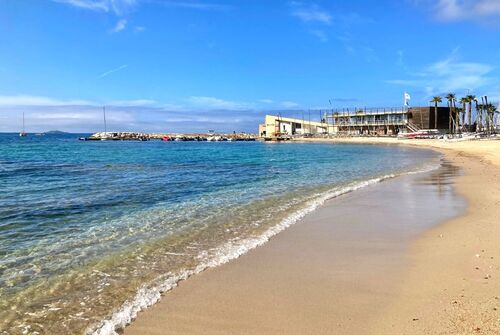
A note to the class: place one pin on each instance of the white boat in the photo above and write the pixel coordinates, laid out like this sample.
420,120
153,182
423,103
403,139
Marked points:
424,133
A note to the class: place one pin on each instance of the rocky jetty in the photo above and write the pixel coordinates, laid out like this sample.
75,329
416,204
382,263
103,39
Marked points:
134,136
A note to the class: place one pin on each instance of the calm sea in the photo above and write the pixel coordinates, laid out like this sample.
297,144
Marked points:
92,232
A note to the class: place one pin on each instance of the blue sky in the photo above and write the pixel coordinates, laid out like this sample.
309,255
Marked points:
192,65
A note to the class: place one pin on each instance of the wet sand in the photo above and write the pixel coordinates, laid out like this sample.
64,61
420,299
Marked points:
452,285
331,273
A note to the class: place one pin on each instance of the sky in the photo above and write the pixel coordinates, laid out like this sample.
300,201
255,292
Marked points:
193,65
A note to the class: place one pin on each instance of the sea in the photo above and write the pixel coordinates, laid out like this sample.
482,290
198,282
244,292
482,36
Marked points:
93,232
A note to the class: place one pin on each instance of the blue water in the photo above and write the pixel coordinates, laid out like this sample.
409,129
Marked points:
84,225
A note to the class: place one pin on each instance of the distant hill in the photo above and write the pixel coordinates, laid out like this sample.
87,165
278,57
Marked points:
56,132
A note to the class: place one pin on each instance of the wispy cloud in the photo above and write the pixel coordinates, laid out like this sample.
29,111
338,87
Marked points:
117,7
132,103
107,73
289,104
323,24
320,34
400,62
345,99
197,5
44,113
31,100
217,103
453,10
310,13
449,75
87,4
194,114
120,25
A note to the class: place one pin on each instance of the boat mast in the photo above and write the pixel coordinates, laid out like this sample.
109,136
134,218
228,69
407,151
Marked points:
104,114
23,123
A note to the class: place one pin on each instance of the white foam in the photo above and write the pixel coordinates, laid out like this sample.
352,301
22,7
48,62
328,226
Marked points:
146,297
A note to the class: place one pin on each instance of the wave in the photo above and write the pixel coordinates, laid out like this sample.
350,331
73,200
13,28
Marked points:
148,296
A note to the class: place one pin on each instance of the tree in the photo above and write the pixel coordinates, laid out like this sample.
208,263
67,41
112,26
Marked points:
451,99
471,98
464,101
479,109
490,112
436,100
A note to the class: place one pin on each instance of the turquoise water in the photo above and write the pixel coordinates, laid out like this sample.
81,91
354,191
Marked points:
91,232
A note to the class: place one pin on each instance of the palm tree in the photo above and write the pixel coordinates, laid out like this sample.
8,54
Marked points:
451,98
490,112
480,109
436,100
459,111
471,98
464,101
478,116
495,122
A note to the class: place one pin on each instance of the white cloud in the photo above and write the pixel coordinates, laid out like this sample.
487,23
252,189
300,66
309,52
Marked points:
452,67
449,75
30,100
122,118
310,13
107,73
139,29
118,7
194,102
138,102
195,5
465,9
216,103
82,115
87,4
289,104
198,113
120,25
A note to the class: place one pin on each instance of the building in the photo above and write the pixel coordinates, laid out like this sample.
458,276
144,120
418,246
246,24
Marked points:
376,122
276,126
425,118
381,121
389,121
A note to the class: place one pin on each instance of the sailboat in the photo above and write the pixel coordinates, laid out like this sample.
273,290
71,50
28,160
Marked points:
105,137
23,133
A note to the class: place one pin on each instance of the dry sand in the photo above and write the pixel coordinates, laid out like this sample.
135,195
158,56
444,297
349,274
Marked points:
348,271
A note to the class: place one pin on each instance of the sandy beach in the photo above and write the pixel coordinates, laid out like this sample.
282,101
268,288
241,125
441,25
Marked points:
414,255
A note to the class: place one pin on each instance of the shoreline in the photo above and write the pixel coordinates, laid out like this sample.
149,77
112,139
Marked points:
130,329
451,286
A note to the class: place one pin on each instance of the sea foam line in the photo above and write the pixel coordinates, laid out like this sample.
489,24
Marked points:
146,297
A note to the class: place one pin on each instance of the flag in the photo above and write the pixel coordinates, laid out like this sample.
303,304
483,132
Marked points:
407,99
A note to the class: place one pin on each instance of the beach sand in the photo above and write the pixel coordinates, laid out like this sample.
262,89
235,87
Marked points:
373,261
452,285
